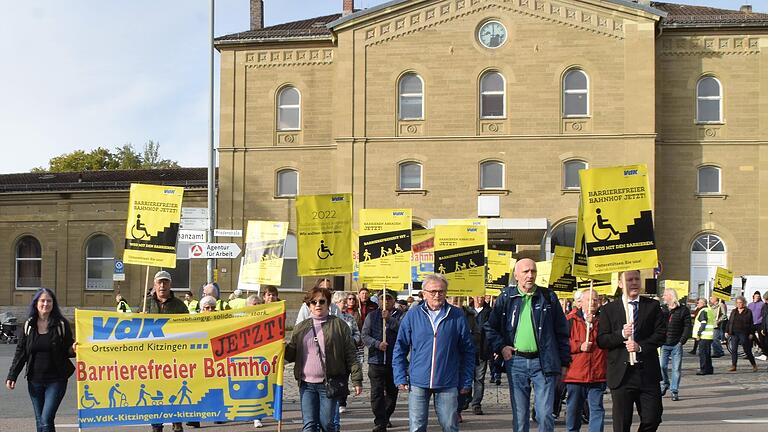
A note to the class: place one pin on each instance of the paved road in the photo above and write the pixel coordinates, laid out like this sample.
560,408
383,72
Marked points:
717,403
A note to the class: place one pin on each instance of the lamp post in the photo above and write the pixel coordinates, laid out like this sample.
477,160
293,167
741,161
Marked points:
211,151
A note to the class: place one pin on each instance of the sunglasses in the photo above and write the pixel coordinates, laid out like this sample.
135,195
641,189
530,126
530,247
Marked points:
320,302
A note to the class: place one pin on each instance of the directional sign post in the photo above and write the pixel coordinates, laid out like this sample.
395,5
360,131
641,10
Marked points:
227,233
118,274
192,236
214,250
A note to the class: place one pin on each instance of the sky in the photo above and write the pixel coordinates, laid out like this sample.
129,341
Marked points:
82,74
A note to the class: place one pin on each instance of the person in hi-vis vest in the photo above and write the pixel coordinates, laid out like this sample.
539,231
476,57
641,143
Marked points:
704,331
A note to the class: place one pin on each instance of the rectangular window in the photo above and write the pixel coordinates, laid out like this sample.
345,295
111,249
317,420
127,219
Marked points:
493,105
99,273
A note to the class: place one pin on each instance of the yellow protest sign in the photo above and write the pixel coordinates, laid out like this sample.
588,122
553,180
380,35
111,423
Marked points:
561,281
263,258
150,368
497,269
543,269
423,256
385,246
492,292
723,284
471,222
460,257
324,232
617,219
154,214
680,287
602,287
580,252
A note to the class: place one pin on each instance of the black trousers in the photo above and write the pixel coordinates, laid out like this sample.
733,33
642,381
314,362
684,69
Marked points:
383,393
636,390
705,356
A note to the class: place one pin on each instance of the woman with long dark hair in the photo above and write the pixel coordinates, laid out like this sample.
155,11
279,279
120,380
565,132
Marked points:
46,345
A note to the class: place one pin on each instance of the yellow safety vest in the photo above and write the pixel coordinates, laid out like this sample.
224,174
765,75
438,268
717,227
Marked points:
238,303
709,328
123,305
192,306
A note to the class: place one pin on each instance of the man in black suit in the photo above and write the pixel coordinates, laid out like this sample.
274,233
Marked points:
633,384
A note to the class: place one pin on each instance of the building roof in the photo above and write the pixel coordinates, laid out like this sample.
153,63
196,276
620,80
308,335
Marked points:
703,16
677,16
190,178
312,28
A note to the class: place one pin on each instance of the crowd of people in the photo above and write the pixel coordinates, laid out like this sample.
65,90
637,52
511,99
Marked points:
439,350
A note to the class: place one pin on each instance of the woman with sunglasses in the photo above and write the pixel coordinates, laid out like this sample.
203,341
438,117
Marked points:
46,346
322,348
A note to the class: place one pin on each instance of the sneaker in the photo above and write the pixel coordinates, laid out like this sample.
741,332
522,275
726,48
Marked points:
194,424
257,423
664,388
342,409
477,410
177,427
675,397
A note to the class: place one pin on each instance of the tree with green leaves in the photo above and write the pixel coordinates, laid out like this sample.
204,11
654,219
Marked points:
125,157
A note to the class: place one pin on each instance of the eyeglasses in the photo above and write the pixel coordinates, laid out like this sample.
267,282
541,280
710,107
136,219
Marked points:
320,302
435,292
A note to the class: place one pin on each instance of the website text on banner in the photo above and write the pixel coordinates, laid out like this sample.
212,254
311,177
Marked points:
460,257
385,246
617,219
219,366
263,258
324,234
154,214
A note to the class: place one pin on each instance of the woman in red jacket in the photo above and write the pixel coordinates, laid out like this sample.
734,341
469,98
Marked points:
585,378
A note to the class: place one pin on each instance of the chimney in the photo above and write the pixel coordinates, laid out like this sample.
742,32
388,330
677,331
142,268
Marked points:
257,14
349,7
746,9
643,2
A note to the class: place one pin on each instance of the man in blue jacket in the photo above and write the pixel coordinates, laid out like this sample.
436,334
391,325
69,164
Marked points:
434,355
527,327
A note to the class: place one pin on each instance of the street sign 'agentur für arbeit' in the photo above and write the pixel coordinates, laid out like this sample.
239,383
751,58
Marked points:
214,250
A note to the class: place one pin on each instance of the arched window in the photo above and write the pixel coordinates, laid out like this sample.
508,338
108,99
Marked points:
563,235
99,263
709,100
708,252
709,180
571,173
411,96
575,93
290,281
409,176
492,95
287,183
492,175
289,109
29,263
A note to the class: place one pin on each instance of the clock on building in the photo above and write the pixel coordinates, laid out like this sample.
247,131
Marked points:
492,34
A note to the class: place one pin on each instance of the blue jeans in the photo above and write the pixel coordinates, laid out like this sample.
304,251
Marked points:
46,398
577,393
717,343
317,411
446,405
675,352
521,373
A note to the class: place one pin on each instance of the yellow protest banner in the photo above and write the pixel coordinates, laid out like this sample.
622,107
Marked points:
543,269
723,288
324,234
497,269
423,256
150,368
262,261
460,257
561,281
617,219
154,214
580,252
385,246
492,292
680,287
602,287
471,222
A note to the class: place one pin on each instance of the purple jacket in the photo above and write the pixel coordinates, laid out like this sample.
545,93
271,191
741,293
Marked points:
757,312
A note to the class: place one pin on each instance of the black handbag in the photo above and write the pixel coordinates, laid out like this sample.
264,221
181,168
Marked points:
335,387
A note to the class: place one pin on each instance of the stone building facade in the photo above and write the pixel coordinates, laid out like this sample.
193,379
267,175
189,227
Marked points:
467,108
